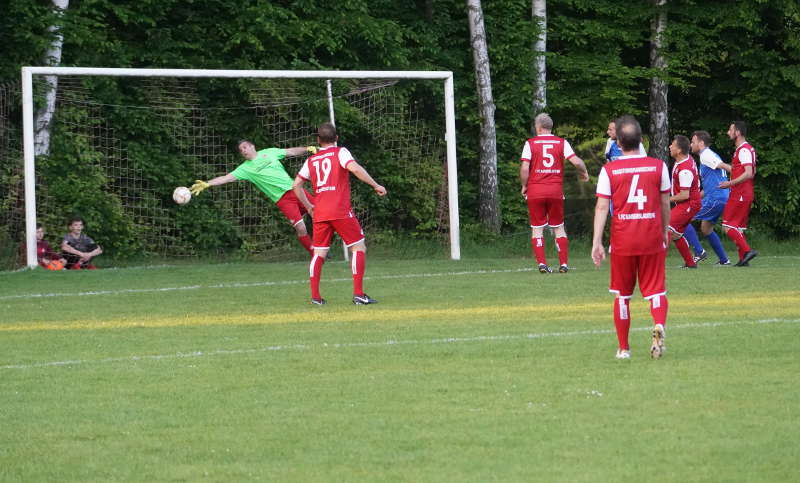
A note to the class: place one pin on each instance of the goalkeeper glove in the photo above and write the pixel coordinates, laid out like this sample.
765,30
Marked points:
198,187
312,149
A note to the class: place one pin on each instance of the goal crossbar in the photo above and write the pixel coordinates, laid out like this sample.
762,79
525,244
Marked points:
28,123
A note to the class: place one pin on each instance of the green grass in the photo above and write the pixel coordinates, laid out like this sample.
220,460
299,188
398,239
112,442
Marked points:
466,371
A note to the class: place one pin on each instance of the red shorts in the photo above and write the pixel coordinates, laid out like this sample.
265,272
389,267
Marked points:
292,208
347,228
546,211
681,215
737,212
648,269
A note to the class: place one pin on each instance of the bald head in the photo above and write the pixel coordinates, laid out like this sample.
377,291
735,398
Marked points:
629,133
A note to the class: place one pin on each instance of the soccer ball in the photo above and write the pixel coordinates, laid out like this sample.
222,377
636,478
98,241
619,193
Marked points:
181,195
55,265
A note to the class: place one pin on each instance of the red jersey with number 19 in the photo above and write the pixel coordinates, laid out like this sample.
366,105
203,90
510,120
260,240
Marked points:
635,184
546,154
330,178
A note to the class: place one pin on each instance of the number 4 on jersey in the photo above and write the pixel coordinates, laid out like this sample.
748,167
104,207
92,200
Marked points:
636,195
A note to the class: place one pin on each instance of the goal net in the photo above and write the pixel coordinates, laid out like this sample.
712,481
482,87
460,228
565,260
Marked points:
121,140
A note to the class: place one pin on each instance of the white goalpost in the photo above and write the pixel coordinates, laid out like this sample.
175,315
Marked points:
28,140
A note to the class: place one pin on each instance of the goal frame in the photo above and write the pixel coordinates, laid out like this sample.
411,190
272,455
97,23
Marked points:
28,122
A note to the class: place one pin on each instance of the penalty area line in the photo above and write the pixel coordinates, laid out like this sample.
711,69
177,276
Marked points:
253,284
387,343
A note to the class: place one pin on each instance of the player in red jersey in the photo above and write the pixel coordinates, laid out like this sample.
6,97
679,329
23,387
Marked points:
639,188
685,194
329,173
737,209
542,176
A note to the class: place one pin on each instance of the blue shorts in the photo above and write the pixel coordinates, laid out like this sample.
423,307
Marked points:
711,210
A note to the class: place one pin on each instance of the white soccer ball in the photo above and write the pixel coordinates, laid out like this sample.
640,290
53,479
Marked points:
181,195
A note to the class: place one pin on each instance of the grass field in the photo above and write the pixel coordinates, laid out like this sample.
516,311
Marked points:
478,370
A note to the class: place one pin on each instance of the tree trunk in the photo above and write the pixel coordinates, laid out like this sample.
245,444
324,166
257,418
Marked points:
659,119
44,116
489,211
539,15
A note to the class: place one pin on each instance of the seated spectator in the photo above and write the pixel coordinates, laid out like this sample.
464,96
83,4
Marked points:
78,248
45,255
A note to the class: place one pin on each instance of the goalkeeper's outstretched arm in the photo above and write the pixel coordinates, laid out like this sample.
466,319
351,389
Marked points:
301,151
200,185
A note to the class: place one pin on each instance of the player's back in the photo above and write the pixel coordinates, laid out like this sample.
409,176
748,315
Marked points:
635,185
546,154
711,175
330,178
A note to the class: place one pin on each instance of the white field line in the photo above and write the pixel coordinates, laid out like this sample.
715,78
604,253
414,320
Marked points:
387,343
252,284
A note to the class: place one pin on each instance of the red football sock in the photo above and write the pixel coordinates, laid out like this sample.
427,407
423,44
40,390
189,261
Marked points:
740,241
315,272
305,240
562,243
622,321
357,263
658,309
538,250
683,248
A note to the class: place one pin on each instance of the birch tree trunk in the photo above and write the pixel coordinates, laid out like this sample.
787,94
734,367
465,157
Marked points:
539,15
44,116
659,119
489,211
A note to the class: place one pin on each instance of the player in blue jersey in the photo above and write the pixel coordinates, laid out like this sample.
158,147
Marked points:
613,150
712,173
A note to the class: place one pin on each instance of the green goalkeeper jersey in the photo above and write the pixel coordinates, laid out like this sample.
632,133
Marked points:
266,172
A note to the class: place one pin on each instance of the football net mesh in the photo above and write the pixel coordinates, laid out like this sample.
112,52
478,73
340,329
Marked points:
119,146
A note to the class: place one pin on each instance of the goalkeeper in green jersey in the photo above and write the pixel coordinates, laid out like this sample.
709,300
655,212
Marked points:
265,170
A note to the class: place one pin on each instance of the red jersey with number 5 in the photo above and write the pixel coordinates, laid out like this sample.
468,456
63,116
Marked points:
635,184
330,178
546,154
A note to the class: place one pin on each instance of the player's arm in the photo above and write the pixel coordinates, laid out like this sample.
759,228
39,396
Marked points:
361,173
665,209
199,185
301,151
524,174
600,216
66,247
583,173
725,166
748,174
297,187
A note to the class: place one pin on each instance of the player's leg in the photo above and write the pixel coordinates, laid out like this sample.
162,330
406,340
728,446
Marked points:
293,210
323,232
679,219
707,227
734,220
652,284
353,236
694,241
555,216
537,211
623,281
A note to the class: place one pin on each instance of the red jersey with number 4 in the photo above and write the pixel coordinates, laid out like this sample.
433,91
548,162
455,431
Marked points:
546,154
635,184
327,171
744,155
684,175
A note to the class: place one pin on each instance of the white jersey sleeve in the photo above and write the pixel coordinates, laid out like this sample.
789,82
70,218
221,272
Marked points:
710,158
526,152
603,184
304,172
745,156
345,157
568,152
685,178
666,184
608,145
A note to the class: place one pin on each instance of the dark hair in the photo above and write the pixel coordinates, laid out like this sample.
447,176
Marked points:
327,132
683,143
244,141
703,136
75,218
740,126
39,225
629,133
